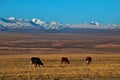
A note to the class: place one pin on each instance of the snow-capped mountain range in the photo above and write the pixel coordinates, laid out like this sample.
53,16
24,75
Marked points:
18,23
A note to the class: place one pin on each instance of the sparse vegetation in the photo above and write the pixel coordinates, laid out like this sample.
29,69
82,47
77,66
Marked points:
30,43
16,49
103,67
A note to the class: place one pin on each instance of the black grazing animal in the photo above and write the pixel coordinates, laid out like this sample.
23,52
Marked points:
88,59
36,61
65,60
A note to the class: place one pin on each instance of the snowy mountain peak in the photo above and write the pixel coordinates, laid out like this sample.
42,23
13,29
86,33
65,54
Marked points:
95,23
54,23
12,18
18,23
38,21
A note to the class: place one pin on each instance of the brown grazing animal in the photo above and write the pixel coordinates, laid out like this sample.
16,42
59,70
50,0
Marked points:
88,59
65,60
36,61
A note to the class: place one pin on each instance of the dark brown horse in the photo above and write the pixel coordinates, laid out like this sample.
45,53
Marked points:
88,59
65,60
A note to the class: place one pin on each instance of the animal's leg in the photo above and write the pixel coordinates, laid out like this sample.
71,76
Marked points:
68,62
35,65
39,65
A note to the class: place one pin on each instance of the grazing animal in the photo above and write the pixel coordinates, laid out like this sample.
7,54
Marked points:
65,60
36,61
88,59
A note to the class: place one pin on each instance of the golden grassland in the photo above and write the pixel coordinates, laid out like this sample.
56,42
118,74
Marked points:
16,49
103,67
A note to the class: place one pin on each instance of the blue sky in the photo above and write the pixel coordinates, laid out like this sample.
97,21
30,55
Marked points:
64,11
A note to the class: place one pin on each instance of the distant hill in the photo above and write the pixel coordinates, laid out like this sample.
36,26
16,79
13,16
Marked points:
36,25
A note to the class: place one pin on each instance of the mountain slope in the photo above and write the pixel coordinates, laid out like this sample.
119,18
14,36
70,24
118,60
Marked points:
13,23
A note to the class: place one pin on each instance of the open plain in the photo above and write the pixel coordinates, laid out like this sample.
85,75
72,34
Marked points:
16,49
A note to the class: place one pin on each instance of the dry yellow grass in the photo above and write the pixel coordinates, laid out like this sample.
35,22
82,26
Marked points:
103,67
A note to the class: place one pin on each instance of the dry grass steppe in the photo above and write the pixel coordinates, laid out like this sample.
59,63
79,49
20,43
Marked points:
103,67
29,43
16,49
